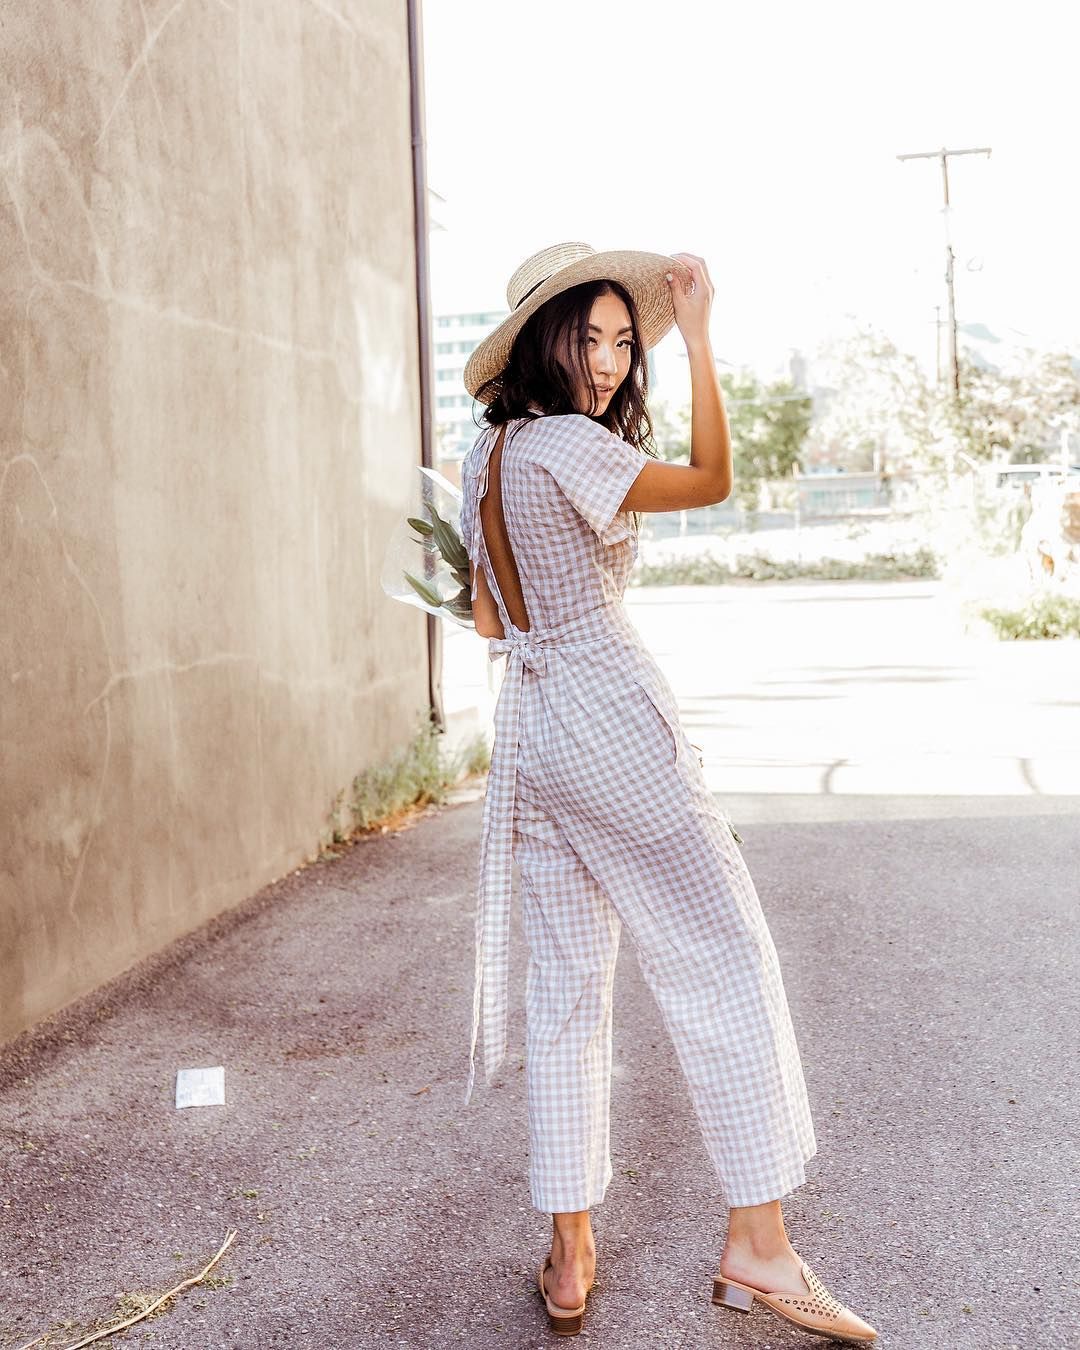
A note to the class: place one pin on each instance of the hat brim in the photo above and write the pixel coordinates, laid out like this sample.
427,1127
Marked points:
643,274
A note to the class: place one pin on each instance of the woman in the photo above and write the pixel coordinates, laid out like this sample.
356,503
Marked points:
594,788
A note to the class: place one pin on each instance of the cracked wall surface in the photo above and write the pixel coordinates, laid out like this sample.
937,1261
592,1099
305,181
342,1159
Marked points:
209,416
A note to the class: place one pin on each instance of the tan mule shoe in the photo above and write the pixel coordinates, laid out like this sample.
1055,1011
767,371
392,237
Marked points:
564,1321
816,1311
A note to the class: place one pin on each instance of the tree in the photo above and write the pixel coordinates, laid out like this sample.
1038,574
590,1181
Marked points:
769,425
876,407
671,431
1016,412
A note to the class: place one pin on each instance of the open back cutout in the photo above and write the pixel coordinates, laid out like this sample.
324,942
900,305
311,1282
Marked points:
497,541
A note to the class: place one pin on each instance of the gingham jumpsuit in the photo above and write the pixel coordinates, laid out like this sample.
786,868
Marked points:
597,794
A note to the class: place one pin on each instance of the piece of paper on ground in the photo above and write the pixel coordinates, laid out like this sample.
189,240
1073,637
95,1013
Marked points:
200,1087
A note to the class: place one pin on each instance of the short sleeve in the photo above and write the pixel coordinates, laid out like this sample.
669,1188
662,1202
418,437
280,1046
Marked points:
465,519
595,468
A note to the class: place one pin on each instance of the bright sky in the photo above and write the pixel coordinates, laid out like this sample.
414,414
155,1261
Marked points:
763,136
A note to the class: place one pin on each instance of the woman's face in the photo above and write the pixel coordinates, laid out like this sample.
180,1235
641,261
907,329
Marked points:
607,352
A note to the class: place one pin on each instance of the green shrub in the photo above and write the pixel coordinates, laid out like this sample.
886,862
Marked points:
706,570
422,772
703,570
1043,616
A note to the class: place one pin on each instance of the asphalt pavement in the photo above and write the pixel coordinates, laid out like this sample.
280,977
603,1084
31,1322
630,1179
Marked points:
928,944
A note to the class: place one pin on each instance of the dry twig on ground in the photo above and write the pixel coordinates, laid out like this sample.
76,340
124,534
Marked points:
130,1321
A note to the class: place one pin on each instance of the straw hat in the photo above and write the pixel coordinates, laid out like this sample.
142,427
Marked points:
558,268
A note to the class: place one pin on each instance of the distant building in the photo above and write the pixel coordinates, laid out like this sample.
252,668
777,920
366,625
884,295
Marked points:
456,336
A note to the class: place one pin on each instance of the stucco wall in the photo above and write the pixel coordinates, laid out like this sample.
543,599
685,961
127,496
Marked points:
209,415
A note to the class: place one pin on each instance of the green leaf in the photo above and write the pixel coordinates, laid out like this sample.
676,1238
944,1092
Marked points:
424,591
448,540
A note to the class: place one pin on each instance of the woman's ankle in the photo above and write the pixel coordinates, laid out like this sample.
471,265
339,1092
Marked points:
572,1227
762,1250
756,1232
575,1248
580,1253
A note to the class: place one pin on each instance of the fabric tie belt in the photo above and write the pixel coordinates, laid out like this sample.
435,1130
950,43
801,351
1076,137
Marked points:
530,648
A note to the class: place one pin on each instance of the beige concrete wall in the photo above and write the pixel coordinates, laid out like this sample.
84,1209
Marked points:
208,420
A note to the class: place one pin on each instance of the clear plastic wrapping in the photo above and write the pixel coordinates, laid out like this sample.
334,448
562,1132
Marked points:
425,563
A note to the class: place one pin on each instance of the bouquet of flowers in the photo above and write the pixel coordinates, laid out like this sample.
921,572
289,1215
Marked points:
426,563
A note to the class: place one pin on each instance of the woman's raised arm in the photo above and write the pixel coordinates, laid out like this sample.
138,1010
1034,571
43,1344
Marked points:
708,478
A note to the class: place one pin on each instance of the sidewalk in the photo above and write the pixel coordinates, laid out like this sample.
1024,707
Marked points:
928,948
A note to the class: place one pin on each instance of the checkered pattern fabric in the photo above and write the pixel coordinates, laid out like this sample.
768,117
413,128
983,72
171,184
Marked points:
598,796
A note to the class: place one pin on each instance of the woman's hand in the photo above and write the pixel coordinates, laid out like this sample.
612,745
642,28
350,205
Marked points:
691,298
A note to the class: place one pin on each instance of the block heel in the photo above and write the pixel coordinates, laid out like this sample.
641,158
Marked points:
563,1321
815,1310
732,1295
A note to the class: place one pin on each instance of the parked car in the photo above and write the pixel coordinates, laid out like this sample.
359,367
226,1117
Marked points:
1018,475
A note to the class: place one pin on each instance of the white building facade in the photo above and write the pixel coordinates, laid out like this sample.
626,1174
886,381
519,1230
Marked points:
456,412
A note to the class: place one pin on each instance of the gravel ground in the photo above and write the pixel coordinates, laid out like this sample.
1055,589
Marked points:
926,947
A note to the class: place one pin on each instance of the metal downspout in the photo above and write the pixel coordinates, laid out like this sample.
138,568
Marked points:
423,315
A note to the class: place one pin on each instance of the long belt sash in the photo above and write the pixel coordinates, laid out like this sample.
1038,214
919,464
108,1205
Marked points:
491,973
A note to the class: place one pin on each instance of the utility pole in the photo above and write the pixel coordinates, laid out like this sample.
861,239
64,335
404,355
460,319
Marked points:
943,155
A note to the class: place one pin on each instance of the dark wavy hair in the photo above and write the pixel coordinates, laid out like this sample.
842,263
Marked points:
535,372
